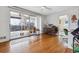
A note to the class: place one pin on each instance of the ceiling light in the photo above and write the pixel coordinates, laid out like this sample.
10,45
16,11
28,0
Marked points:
45,8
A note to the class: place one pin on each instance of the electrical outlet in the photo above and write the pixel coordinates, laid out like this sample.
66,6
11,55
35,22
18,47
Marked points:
3,37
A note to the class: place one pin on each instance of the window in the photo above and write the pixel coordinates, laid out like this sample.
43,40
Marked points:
15,24
33,21
15,21
25,23
22,23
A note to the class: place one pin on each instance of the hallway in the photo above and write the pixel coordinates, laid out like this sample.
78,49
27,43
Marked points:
34,44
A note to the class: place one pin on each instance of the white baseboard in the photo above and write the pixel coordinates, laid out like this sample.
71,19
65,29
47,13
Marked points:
4,40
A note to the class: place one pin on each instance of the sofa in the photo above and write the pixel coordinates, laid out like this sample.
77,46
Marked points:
50,29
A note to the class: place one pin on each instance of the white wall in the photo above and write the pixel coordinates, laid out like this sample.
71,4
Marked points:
4,23
54,18
43,22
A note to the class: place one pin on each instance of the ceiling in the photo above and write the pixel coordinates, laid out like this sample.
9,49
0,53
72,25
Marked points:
44,11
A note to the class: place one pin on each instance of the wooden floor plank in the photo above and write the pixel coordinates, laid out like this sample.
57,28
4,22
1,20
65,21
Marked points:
35,44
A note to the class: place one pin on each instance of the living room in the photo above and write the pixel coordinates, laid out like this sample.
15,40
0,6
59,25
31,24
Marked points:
38,29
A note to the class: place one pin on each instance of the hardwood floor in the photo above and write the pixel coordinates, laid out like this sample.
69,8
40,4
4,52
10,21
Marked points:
34,44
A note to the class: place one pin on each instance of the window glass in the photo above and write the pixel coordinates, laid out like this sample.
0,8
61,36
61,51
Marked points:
15,24
15,21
